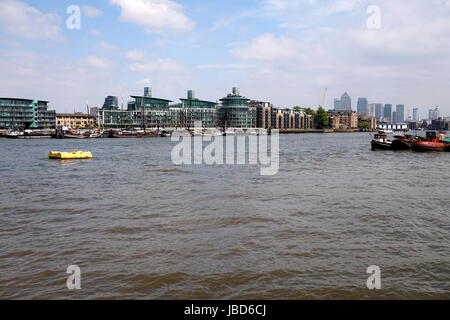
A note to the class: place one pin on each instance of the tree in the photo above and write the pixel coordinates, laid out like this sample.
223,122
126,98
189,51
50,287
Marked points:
321,118
363,125
307,110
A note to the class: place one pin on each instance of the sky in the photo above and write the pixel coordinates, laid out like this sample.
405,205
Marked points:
283,51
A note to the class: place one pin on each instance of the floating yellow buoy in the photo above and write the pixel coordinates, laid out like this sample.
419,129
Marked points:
70,155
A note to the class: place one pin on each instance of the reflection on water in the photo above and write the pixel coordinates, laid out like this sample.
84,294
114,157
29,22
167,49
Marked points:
140,227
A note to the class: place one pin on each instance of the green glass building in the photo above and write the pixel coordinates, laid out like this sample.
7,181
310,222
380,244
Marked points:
151,111
192,110
145,111
26,114
235,111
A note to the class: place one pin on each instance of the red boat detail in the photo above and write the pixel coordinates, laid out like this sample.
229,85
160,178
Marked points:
431,143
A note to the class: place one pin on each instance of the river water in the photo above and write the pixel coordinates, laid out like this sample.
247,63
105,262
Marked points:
140,227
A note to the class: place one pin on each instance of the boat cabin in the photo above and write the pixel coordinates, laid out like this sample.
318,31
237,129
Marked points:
381,137
431,134
434,136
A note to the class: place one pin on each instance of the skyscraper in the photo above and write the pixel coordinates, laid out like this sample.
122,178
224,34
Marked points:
111,103
387,115
379,111
434,113
416,114
400,108
363,106
372,110
337,104
344,104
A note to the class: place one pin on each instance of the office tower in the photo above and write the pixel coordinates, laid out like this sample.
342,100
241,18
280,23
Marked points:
379,111
372,110
387,114
415,114
346,102
400,108
363,106
111,103
337,104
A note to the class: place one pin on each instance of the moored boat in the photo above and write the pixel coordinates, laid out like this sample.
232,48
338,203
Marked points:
74,134
381,142
403,142
432,143
126,134
15,135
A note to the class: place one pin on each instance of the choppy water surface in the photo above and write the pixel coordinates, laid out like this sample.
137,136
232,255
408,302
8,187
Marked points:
142,228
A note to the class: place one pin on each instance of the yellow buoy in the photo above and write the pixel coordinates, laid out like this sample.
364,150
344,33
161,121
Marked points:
70,155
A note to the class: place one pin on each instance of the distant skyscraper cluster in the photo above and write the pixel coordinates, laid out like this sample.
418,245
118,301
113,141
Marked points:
382,112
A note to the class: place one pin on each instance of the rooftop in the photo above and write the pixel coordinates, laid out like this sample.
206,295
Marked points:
148,97
2,98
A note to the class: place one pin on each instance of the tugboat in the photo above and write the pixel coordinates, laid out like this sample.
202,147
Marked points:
403,142
432,143
381,142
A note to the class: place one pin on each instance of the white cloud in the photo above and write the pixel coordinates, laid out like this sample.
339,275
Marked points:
66,84
155,15
91,12
156,65
144,82
140,62
267,47
340,6
95,33
225,66
293,26
19,19
106,46
407,61
97,62
135,55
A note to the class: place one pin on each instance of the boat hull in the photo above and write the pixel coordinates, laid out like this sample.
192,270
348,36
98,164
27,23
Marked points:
29,137
378,145
401,144
428,146
74,136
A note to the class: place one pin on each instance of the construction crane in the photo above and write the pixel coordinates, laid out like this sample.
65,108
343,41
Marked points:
324,98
